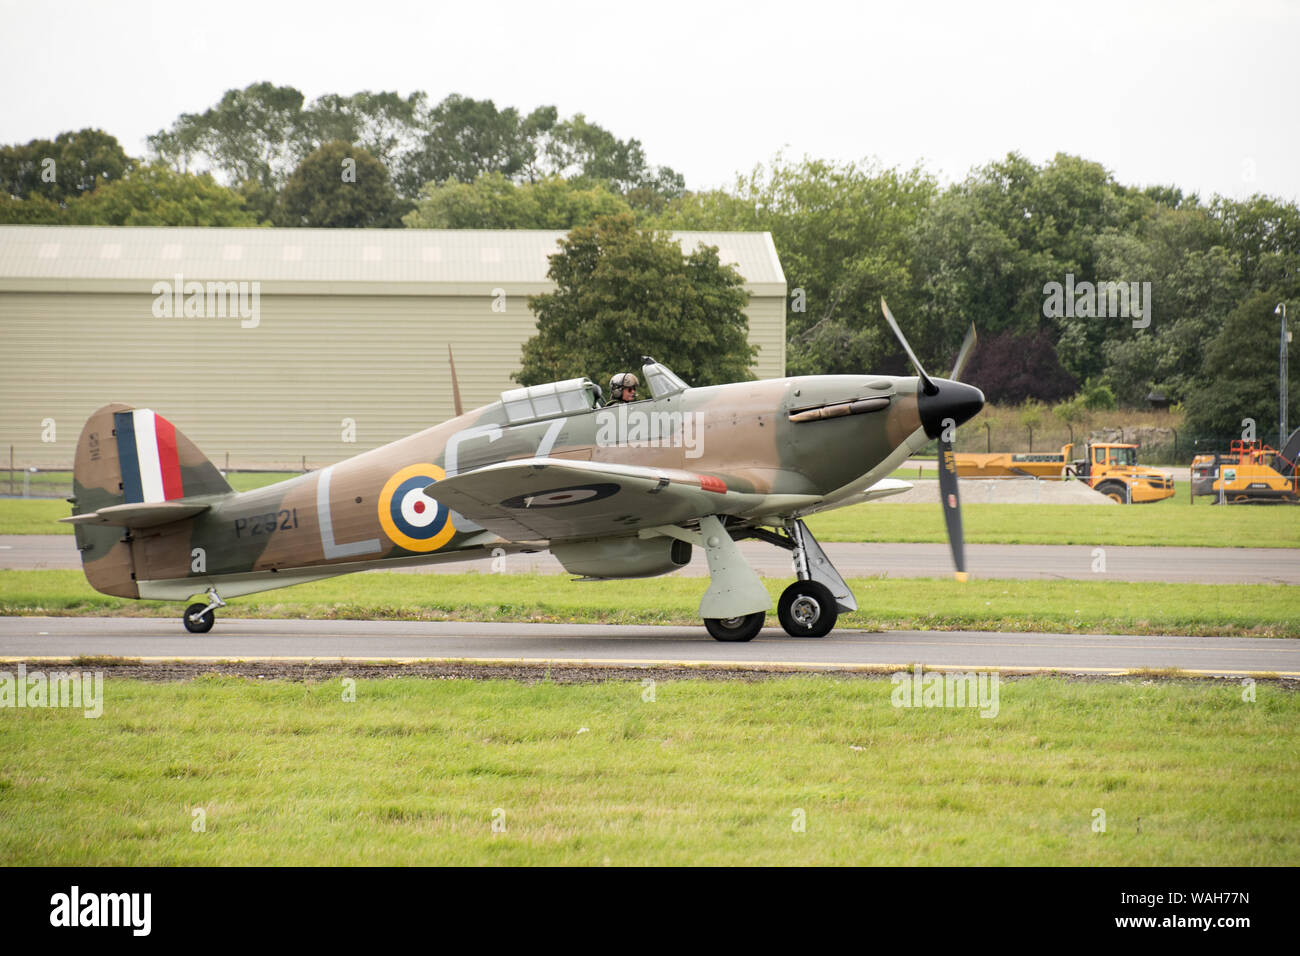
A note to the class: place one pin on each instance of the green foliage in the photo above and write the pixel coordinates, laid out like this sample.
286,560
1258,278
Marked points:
1240,376
256,133
987,247
36,211
622,292
149,195
263,132
1097,396
338,185
155,195
844,236
72,164
1031,413
494,202
1071,410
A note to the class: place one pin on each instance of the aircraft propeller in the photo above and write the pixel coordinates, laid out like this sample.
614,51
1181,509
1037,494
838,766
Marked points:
945,404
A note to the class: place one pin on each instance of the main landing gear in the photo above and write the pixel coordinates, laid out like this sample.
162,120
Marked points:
199,618
736,604
811,606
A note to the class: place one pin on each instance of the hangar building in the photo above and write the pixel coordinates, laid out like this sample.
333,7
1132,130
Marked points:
342,325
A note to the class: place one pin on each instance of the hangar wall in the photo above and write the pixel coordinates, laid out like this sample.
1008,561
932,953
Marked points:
323,350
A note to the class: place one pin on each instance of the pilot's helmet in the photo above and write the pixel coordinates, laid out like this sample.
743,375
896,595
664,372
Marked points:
624,380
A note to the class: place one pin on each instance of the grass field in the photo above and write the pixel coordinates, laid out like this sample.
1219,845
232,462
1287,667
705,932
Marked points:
416,771
1172,523
1120,607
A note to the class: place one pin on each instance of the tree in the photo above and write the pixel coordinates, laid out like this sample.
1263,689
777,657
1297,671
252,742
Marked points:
157,196
578,148
622,292
988,245
37,211
844,236
464,138
1012,367
494,202
262,132
1194,283
1239,379
339,185
256,133
72,164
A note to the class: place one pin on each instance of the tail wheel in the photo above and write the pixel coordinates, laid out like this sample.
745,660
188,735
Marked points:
743,628
1115,491
807,609
197,623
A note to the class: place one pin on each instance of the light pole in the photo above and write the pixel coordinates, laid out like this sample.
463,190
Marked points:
1281,427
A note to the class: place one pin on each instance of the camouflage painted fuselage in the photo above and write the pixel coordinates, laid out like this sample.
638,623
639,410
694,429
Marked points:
786,440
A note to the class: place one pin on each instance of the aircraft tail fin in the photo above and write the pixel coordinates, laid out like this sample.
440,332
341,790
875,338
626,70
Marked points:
132,460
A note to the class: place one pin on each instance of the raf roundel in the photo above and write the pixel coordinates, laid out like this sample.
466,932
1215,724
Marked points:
410,518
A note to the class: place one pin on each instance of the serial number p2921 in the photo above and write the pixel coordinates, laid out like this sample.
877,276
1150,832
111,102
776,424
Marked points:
265,524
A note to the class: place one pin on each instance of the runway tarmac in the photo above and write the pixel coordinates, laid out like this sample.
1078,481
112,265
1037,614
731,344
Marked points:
235,639
1076,562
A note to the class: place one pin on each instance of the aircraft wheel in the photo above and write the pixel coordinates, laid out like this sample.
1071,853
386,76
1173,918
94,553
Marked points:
744,628
1114,491
203,624
807,609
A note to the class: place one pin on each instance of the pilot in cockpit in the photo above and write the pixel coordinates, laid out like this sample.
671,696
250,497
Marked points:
622,388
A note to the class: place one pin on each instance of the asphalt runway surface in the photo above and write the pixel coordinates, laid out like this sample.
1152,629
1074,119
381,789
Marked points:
1029,561
156,639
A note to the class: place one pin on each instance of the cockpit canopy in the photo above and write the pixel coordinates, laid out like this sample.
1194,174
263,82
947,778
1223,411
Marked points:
661,380
575,395
549,400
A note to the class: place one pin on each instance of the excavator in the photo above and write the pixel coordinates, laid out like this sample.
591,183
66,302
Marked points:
1250,473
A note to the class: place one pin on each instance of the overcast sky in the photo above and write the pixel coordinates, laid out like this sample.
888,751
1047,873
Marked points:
1198,94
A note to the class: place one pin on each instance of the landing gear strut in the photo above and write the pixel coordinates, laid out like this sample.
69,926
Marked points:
199,618
811,606
736,603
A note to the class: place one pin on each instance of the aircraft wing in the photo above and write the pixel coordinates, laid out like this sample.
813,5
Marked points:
536,499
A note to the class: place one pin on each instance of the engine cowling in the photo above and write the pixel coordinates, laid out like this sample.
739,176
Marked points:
622,557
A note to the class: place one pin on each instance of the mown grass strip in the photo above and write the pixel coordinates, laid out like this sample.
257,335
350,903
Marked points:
1119,607
789,771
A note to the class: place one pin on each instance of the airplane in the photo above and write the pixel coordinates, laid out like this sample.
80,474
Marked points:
623,490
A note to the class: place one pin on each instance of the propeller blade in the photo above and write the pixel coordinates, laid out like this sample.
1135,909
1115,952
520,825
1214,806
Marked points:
967,347
951,498
927,385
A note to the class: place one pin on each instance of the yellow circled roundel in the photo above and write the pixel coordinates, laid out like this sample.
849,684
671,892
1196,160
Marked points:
388,520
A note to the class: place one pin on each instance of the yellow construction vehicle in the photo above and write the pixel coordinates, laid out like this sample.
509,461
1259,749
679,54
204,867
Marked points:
1108,467
1251,473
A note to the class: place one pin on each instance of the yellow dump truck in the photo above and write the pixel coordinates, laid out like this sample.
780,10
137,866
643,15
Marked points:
1251,473
1108,467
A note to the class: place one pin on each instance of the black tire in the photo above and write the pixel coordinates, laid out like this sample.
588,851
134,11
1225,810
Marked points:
1114,490
203,624
807,609
736,628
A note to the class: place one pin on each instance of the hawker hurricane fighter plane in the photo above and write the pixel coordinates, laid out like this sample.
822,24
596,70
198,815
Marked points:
621,491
